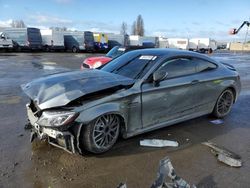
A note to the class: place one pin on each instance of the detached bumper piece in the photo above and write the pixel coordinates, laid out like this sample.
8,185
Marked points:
63,140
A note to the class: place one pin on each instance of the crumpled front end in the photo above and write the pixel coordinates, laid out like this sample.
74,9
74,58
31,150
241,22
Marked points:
53,126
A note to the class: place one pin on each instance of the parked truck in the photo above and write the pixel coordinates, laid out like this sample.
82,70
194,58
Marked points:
178,43
52,40
101,42
25,38
78,40
163,42
149,42
117,40
5,42
203,45
146,41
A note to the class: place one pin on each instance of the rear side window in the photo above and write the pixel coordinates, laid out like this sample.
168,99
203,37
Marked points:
203,65
179,67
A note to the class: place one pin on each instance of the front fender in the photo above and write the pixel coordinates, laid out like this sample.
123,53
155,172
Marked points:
92,113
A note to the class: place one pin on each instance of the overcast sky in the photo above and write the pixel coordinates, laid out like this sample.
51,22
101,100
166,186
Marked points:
178,18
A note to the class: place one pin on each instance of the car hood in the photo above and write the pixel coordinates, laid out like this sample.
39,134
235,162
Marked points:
60,89
102,59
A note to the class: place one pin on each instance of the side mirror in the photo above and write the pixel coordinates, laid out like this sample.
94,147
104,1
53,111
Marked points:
159,76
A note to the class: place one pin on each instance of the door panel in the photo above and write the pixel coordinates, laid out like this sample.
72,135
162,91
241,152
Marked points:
173,98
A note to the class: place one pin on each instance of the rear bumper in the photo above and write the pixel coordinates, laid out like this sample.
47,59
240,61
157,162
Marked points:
61,139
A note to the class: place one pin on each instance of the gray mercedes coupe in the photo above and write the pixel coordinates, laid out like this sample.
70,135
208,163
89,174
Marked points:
140,91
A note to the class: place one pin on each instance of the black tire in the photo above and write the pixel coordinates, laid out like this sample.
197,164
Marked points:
19,49
47,49
224,104
74,49
101,134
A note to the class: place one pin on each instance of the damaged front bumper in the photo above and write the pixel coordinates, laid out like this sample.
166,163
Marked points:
60,139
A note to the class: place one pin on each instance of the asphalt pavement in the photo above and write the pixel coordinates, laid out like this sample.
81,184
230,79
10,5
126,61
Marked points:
38,164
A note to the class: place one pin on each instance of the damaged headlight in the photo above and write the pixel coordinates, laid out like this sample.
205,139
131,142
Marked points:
56,118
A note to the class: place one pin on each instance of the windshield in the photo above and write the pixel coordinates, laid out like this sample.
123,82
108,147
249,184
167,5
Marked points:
115,52
131,65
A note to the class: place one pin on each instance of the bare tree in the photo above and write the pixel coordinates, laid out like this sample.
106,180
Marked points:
17,24
124,28
64,29
133,29
140,26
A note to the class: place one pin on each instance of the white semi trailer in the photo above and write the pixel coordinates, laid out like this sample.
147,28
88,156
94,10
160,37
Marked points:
204,45
163,42
178,43
52,39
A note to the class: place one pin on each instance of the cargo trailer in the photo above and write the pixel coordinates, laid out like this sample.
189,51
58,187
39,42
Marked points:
178,43
163,42
203,45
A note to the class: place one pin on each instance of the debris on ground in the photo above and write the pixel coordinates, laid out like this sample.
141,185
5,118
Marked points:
224,155
158,143
217,121
122,185
15,164
28,126
166,171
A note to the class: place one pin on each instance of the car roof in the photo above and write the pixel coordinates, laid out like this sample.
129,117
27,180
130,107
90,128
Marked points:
163,51
170,53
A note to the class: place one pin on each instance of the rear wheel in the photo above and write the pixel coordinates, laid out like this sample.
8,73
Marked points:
224,104
47,49
101,134
74,49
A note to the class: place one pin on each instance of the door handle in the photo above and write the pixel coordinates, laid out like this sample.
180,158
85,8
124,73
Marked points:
195,82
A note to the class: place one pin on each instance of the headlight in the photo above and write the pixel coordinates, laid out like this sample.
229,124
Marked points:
56,118
97,64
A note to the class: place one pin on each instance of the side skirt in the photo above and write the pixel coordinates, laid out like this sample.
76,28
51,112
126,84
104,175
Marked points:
165,124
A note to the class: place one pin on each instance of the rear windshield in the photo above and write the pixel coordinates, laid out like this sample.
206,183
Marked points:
115,52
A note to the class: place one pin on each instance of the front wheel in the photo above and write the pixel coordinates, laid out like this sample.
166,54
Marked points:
224,104
101,134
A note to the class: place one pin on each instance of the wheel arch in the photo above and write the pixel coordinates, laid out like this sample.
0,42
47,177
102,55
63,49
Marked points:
89,115
232,88
78,130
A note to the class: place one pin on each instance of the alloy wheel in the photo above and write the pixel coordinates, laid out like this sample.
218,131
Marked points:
225,102
106,130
